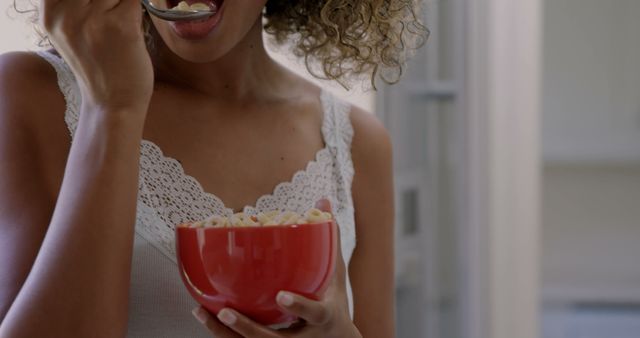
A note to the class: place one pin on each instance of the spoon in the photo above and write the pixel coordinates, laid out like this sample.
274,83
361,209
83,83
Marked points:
176,15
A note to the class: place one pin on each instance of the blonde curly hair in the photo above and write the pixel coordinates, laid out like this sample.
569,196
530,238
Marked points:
341,40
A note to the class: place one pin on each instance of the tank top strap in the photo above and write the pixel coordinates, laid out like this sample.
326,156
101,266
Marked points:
68,86
338,132
336,127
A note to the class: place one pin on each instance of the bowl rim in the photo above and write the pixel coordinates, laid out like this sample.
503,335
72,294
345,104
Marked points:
251,227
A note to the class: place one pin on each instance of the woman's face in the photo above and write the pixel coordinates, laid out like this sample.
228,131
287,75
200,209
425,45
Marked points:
207,41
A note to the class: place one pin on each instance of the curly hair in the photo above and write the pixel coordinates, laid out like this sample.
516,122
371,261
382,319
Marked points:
349,38
340,40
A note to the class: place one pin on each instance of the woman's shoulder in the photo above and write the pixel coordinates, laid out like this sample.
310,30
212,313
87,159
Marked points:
32,106
371,144
29,92
28,83
26,64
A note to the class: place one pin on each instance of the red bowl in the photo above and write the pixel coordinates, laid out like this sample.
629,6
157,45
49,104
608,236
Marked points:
244,267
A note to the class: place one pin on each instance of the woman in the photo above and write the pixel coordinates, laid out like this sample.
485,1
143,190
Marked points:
86,222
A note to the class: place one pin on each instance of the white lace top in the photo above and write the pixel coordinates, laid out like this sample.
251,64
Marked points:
160,306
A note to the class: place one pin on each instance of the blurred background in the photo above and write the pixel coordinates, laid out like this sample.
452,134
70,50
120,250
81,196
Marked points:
516,136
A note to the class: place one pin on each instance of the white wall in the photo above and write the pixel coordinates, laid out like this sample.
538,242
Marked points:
591,82
591,234
15,31
502,167
591,118
17,34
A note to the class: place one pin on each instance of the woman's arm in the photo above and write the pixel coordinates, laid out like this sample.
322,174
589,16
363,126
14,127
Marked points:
77,249
22,184
371,269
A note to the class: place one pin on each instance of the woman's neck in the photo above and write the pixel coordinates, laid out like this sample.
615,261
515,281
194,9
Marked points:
246,72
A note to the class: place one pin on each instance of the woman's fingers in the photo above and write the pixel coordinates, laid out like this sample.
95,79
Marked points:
103,43
313,312
127,6
245,326
324,205
213,324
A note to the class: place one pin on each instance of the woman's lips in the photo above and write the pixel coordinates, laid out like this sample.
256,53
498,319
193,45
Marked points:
193,30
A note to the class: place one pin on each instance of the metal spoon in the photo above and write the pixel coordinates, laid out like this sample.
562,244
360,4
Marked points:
176,15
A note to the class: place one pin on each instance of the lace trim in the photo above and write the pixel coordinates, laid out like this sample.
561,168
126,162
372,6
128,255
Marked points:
264,202
158,168
339,131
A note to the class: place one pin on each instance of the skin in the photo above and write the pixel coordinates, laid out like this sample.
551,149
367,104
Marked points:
213,90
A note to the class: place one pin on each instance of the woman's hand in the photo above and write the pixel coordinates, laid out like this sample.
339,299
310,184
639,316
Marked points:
326,318
103,43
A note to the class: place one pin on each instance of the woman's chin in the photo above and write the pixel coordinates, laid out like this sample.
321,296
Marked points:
197,53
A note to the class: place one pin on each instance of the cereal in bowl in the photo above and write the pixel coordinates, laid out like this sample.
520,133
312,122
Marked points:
270,218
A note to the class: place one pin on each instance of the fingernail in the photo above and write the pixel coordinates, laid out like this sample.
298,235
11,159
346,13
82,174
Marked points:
200,315
285,298
227,317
